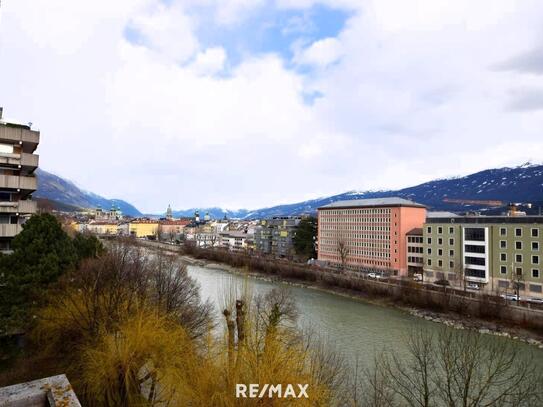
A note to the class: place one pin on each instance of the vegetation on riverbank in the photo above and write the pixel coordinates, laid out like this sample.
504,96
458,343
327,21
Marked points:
439,300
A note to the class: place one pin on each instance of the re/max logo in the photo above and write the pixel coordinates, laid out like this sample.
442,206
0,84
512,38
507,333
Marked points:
270,391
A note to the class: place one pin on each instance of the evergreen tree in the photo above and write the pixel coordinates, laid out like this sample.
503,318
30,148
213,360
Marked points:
305,238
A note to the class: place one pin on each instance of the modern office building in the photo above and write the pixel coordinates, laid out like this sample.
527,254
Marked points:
368,233
18,142
275,236
493,253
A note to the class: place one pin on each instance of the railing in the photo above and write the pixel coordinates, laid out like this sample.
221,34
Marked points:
9,230
19,207
17,182
19,134
25,159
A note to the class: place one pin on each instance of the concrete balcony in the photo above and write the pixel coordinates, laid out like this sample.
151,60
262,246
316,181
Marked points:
23,160
10,230
21,207
18,182
29,139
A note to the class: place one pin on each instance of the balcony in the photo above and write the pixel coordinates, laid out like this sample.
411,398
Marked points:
18,182
10,230
18,135
24,159
21,207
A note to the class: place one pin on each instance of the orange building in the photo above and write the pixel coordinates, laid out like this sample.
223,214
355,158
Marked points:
368,233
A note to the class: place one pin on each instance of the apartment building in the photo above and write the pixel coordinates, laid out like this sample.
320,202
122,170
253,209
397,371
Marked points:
492,253
368,233
18,142
234,240
143,228
415,251
275,236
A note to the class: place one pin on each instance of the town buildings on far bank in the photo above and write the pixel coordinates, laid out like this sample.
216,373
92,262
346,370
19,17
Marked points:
368,233
18,142
275,236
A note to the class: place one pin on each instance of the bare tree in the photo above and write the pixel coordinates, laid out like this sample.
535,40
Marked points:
456,368
342,250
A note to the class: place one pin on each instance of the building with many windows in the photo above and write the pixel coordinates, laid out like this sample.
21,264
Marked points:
17,180
368,233
275,236
492,253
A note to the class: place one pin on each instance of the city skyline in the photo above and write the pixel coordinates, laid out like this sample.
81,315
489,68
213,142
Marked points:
248,104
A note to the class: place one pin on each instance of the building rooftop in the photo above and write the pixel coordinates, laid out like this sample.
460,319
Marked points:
441,214
481,219
415,232
373,202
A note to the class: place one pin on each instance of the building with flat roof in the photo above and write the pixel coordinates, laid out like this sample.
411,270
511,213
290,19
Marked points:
492,253
275,236
18,142
368,233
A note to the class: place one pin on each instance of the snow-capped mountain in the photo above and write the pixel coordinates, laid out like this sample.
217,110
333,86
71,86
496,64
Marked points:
520,184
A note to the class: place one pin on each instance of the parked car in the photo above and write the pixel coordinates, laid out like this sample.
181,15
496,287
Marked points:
473,286
535,300
510,297
443,283
372,275
417,277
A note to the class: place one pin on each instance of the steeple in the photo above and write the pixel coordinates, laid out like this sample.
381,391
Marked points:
169,214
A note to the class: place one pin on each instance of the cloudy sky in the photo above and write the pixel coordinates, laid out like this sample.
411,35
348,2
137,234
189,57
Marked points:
250,103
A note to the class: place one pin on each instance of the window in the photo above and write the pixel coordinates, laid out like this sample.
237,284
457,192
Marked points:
440,241
429,240
429,229
476,261
503,244
535,288
440,263
451,253
451,265
503,284
535,273
518,245
518,258
503,269
474,234
535,232
535,246
503,256
451,242
440,252
535,259
429,250
518,232
474,249
451,230
429,261
503,232
519,271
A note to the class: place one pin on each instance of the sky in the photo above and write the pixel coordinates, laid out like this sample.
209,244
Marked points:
252,103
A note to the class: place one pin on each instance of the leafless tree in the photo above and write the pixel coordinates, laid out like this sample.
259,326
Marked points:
456,368
342,250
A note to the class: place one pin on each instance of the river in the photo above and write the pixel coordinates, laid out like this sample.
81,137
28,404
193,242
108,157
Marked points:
355,328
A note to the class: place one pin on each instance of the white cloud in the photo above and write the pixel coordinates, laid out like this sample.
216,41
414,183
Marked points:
321,53
408,94
210,61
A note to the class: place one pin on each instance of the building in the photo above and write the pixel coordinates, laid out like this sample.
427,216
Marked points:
415,251
143,228
275,236
103,228
171,230
18,142
234,240
114,214
492,253
368,234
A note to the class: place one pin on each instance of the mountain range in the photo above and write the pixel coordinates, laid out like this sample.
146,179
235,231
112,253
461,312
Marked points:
522,184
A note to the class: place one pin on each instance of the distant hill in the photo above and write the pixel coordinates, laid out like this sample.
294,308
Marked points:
60,191
518,184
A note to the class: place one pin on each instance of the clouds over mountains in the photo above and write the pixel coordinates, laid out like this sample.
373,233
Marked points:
249,103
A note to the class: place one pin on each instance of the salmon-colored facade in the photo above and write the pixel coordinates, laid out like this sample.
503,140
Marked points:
368,233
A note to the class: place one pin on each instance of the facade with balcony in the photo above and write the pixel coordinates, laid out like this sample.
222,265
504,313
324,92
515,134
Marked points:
18,164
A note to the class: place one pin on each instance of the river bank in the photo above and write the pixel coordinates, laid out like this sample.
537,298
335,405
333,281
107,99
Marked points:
449,319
